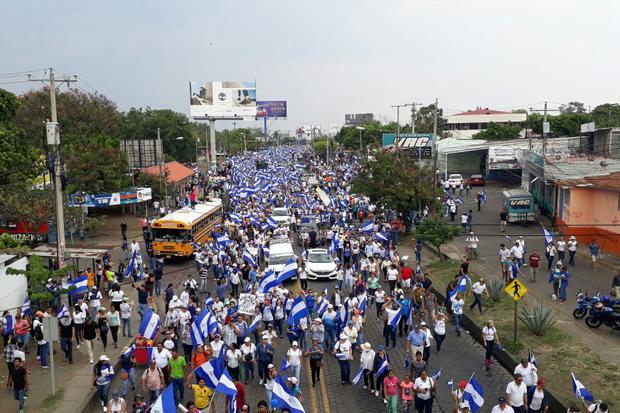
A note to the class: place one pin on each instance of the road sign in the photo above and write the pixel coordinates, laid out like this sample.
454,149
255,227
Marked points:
50,328
515,289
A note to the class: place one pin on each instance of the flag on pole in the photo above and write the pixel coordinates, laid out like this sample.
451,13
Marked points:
381,236
367,226
288,271
149,325
196,330
26,306
361,303
254,325
269,281
298,311
234,218
483,198
437,374
80,284
165,402
62,312
247,257
358,376
580,390
285,364
548,235
226,385
474,394
283,399
211,371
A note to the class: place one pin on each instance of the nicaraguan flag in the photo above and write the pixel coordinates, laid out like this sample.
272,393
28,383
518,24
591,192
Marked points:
255,222
271,223
62,312
226,385
266,251
165,402
342,356
461,287
580,390
483,198
367,226
322,306
129,352
80,284
149,325
381,236
283,399
254,325
394,318
26,306
196,330
196,246
269,281
361,303
212,324
451,384
382,368
474,394
436,375
358,376
209,302
459,201
9,324
235,218
406,363
548,235
285,364
304,254
530,356
211,371
131,265
223,240
247,257
288,271
298,311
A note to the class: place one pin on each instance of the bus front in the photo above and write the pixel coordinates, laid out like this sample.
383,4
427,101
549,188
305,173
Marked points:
171,239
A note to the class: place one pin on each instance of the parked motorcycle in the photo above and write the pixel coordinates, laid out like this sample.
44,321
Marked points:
600,314
584,304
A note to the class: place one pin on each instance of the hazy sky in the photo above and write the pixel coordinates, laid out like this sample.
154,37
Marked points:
325,57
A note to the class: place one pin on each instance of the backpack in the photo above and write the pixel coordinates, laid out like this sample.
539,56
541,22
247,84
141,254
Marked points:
38,333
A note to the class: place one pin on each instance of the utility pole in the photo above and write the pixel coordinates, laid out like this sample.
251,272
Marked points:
245,144
434,146
545,131
412,117
53,139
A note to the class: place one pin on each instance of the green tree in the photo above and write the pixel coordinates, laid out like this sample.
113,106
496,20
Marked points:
425,118
37,274
436,231
606,115
568,123
497,131
8,106
395,183
349,137
573,107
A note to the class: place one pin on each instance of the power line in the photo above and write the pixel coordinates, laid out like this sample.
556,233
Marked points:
25,72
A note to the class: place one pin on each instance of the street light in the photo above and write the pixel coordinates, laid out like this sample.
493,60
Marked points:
360,128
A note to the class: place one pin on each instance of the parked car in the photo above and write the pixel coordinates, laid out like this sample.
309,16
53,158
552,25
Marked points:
310,235
320,265
281,216
476,180
455,180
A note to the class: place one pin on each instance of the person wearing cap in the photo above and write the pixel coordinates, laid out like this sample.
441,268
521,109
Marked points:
472,245
317,330
294,358
367,358
516,394
65,325
117,404
426,353
42,344
216,345
463,406
528,371
264,358
293,387
502,406
572,250
598,407
248,354
102,376
539,399
415,341
270,379
343,352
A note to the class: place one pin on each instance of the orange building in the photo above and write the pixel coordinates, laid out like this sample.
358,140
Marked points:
589,208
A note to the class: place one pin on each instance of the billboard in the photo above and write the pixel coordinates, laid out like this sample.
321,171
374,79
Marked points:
223,100
271,109
142,153
103,200
410,141
355,119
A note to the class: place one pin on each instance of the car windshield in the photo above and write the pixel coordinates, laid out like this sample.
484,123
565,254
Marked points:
319,257
280,212
169,234
279,259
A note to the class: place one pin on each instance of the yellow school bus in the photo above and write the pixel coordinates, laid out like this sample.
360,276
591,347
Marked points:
173,234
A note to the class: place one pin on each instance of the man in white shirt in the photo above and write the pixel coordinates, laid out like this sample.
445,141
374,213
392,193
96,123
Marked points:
477,290
502,407
572,250
472,243
561,247
161,356
517,251
135,247
516,394
528,371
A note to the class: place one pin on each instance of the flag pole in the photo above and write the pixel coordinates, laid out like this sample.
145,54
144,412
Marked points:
468,380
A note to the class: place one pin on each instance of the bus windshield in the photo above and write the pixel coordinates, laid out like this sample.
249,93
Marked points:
171,234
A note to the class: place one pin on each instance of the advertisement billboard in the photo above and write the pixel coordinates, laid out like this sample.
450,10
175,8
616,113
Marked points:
410,141
223,100
271,109
354,119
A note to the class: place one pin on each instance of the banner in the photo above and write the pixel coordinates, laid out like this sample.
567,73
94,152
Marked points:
247,304
133,196
413,142
223,100
271,109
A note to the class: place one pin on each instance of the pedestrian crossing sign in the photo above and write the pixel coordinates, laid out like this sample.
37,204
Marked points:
515,289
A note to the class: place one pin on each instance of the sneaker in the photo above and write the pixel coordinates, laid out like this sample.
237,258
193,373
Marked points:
45,367
260,382
90,361
377,393
384,401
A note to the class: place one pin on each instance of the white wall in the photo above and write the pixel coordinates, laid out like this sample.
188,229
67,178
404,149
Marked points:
13,288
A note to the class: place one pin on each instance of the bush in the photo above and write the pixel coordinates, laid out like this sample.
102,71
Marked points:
496,289
539,319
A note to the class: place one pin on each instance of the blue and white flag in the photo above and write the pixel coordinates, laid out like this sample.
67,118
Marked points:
9,324
304,254
285,364
367,226
451,384
235,218
129,352
288,271
548,235
269,281
211,371
247,257
196,246
209,302
132,264
483,198
406,363
298,311
62,312
381,236
271,223
149,325
342,356
461,287
459,201
223,240
197,331
580,390
362,302
394,318
358,376
382,368
530,356
226,385
255,222
80,284
283,399
474,394
26,306
266,251
165,402
322,306
212,324
437,374
257,319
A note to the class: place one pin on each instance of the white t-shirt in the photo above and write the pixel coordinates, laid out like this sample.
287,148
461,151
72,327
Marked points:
516,393
216,346
537,399
36,323
232,358
125,311
117,296
251,349
527,373
478,287
294,356
497,409
440,327
572,245
561,245
517,251
503,254
380,296
464,219
341,347
488,333
457,306
392,274
79,317
161,358
420,384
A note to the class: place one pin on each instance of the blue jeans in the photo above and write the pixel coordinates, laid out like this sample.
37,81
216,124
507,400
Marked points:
42,351
157,287
104,391
295,371
330,337
19,395
67,346
177,385
563,286
126,322
153,396
142,309
345,371
130,379
457,323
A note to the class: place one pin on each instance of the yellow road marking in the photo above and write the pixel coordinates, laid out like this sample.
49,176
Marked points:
313,398
326,407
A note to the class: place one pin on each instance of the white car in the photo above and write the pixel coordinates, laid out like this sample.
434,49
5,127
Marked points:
280,253
455,179
281,216
320,265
